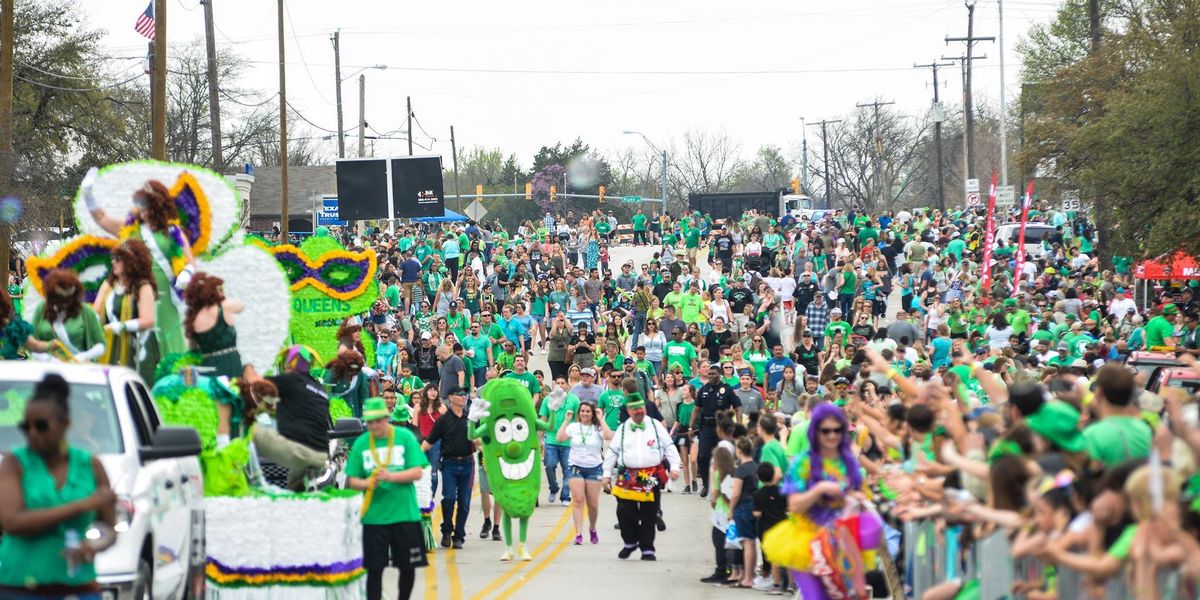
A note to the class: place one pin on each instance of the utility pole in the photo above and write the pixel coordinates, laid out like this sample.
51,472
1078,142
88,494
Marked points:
963,61
214,103
283,159
337,74
6,123
938,117
825,148
453,152
968,107
1094,23
158,84
408,101
664,180
803,157
1003,98
878,143
362,115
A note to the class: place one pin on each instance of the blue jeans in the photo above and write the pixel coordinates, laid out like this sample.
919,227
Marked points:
846,302
434,454
479,377
555,457
456,493
636,326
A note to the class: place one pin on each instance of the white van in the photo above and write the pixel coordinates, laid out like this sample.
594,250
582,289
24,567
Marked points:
1034,234
153,469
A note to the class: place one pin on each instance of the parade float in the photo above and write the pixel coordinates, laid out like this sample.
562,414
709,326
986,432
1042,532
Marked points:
254,548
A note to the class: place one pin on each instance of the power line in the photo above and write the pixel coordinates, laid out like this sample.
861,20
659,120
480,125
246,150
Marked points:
325,129
64,75
66,89
299,49
248,105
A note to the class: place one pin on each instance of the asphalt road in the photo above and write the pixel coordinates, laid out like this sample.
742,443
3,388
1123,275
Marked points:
560,569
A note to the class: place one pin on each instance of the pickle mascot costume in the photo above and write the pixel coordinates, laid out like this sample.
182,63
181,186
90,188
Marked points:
505,420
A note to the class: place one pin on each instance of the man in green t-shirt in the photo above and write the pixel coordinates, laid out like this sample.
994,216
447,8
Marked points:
691,241
384,462
1160,331
554,410
526,378
603,228
1120,434
639,228
613,397
680,353
773,452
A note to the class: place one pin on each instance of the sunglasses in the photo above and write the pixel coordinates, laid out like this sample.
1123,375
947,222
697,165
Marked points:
39,425
831,431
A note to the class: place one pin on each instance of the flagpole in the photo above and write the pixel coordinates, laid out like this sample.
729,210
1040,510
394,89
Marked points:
1026,202
158,84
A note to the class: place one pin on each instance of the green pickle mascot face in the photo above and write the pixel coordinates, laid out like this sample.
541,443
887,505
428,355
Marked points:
507,424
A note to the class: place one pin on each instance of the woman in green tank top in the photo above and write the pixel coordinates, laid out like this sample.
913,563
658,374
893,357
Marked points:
50,496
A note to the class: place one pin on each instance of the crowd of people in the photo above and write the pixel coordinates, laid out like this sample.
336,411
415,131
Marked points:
819,383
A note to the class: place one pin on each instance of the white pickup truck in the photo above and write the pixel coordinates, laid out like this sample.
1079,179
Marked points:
154,471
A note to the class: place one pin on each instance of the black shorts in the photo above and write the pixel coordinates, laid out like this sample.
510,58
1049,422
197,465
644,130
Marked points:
395,544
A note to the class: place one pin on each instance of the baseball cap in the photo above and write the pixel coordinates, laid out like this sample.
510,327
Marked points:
629,361
456,391
454,304
587,371
425,335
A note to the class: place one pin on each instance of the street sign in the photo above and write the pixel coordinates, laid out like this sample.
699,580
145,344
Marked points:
475,210
1006,195
973,199
631,199
972,185
329,212
1070,200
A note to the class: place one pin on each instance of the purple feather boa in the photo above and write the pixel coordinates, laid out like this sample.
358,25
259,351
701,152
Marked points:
331,569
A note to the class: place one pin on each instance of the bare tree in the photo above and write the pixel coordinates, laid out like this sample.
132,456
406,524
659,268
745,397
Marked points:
769,171
872,157
707,164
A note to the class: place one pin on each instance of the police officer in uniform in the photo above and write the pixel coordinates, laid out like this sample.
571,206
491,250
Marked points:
714,396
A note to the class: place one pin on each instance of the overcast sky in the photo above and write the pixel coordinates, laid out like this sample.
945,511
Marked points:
517,75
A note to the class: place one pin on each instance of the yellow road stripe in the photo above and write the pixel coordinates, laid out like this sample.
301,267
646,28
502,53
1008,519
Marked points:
542,563
519,564
452,574
431,570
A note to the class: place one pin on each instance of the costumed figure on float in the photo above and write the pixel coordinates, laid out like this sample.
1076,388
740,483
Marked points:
829,539
126,306
65,321
505,420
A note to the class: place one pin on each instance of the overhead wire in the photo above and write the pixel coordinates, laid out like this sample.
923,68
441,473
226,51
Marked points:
287,11
88,89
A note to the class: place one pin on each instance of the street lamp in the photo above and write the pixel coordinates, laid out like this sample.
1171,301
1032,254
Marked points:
341,134
664,164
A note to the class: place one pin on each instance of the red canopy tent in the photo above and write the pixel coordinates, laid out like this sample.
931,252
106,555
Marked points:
1177,267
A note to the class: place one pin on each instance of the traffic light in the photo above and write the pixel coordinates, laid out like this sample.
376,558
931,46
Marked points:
601,193
529,191
479,192
553,193
796,186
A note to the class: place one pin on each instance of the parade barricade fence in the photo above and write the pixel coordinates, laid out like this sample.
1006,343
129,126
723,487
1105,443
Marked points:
933,555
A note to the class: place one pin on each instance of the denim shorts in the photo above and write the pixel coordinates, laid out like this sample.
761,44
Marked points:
747,525
586,473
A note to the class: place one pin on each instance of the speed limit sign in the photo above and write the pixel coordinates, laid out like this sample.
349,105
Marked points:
973,199
1070,200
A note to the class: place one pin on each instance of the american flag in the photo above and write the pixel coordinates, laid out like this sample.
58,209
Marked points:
145,22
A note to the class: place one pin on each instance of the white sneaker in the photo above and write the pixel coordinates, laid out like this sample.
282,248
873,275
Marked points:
552,501
522,553
507,556
763,584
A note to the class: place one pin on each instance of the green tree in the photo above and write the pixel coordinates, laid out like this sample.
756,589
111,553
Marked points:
1120,122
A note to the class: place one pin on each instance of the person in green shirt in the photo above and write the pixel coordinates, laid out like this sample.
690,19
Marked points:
639,228
674,297
385,462
613,397
408,384
479,348
42,505
507,359
680,353
526,378
691,305
847,284
392,293
1017,317
554,410
773,452
836,324
456,320
691,242
1160,330
1121,434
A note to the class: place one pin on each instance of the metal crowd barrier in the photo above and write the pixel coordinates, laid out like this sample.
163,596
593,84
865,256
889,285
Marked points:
932,557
